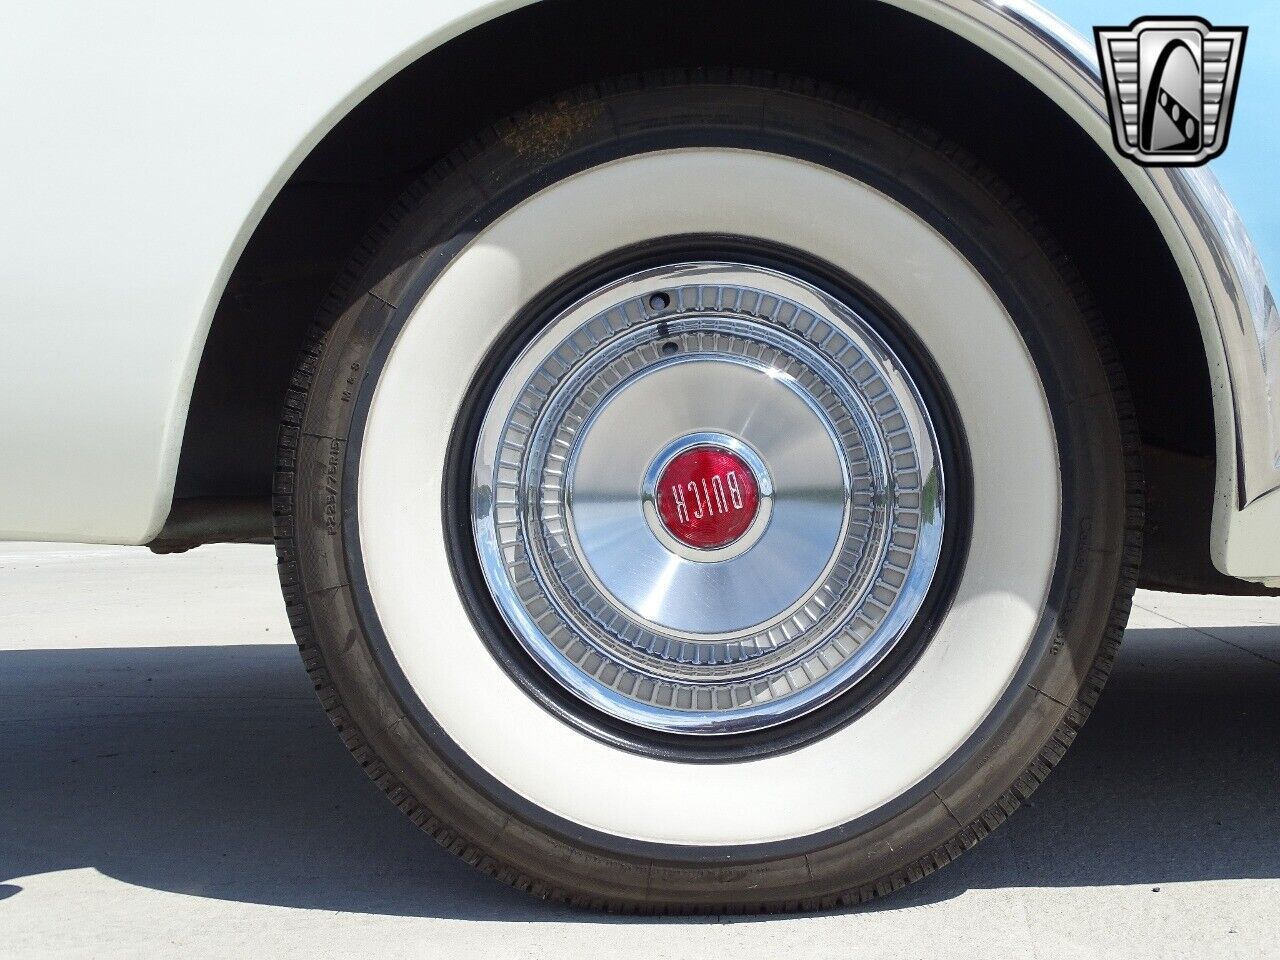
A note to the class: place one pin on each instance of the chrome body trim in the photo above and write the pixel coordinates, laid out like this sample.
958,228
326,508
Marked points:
1228,287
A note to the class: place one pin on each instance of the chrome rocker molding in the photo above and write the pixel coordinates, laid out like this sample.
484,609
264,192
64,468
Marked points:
1236,310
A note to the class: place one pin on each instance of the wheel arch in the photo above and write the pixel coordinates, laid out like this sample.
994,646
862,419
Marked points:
939,65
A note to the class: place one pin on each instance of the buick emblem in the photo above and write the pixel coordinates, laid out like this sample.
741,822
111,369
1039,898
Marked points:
707,497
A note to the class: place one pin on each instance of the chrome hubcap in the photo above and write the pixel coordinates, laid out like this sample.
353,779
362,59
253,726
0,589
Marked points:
707,498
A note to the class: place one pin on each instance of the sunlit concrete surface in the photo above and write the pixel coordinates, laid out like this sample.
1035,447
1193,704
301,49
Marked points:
170,788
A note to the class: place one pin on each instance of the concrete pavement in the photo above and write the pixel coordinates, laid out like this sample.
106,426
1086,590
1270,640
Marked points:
168,784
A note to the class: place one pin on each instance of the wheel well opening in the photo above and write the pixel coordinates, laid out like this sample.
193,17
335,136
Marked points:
912,66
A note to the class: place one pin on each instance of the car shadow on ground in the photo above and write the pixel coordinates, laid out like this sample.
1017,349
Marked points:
211,771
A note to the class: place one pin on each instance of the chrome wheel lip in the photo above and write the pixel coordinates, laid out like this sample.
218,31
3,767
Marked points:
491,545
693,441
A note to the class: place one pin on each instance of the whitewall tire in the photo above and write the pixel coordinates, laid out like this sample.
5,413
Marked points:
831,694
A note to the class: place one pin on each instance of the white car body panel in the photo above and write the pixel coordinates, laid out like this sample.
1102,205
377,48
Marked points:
128,192
144,142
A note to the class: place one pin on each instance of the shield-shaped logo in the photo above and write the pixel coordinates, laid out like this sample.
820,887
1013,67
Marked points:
1171,86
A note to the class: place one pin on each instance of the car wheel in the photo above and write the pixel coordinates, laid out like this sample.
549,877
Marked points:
707,493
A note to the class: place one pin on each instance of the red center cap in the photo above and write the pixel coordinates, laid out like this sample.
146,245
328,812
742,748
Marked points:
707,497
